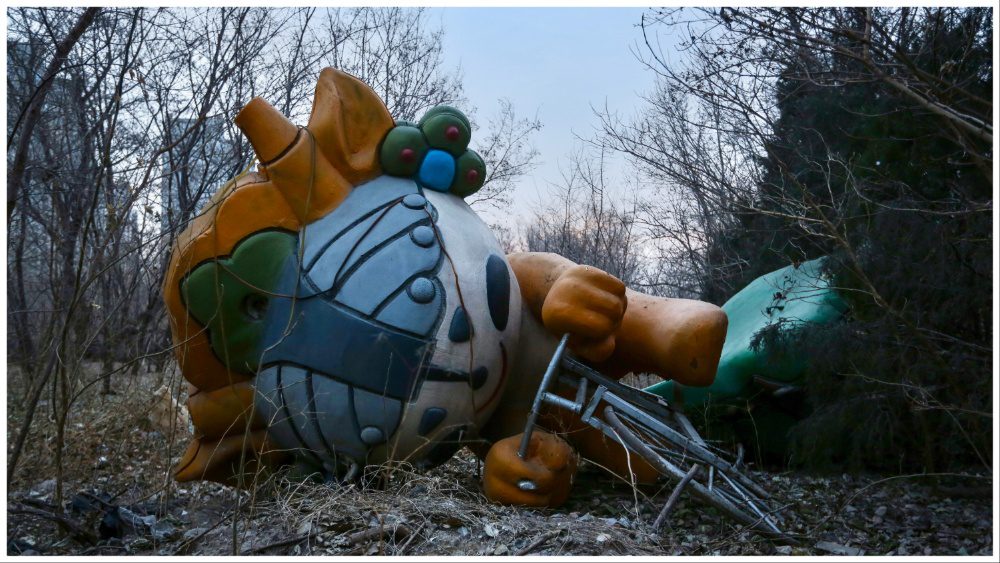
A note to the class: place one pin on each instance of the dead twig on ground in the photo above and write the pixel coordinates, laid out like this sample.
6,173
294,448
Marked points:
68,525
397,533
539,541
674,497
280,543
402,548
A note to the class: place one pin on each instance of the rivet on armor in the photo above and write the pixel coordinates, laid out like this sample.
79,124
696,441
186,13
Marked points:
372,435
422,290
414,201
423,236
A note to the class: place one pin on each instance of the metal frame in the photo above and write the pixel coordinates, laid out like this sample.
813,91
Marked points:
649,415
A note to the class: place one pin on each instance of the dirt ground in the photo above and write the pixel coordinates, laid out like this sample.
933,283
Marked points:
117,499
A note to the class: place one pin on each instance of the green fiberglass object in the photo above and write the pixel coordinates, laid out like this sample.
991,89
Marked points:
785,299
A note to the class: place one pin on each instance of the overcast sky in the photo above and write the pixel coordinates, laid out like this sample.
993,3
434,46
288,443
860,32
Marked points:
558,62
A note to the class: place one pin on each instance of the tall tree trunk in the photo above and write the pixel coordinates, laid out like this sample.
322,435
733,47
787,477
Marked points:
33,111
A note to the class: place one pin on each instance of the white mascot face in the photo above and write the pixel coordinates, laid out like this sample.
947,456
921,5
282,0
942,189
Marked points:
391,332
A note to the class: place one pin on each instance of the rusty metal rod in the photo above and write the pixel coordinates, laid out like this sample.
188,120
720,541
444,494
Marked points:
550,372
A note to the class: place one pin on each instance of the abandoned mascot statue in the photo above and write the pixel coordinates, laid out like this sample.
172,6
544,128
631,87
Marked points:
343,307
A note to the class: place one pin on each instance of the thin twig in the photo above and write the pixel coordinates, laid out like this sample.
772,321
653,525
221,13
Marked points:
674,497
539,541
402,548
280,543
397,533
70,526
182,548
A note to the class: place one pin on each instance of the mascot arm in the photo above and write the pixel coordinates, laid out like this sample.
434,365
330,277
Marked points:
617,329
586,302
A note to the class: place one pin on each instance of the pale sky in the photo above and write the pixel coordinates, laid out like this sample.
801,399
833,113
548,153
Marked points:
558,62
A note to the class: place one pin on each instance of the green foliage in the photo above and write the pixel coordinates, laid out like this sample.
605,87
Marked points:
902,207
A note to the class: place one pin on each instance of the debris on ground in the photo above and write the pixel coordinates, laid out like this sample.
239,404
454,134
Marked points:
117,499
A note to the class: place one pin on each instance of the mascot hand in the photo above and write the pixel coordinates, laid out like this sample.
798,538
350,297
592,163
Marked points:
589,304
543,478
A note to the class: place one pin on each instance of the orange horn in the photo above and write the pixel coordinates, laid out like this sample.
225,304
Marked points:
269,131
306,179
349,121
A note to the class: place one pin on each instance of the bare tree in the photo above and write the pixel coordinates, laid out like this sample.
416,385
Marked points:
749,177
120,123
31,111
703,174
506,148
401,59
585,225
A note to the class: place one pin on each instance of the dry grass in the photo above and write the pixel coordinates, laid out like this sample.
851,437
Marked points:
113,448
432,513
107,437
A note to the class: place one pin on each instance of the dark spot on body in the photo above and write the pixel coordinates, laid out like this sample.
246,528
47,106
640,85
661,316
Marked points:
479,377
430,420
443,450
498,290
460,330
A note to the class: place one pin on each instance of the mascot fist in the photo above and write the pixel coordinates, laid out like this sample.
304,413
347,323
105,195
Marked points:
543,478
589,304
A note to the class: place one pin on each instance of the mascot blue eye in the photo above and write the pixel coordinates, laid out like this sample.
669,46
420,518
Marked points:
437,171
